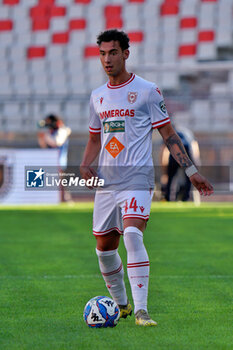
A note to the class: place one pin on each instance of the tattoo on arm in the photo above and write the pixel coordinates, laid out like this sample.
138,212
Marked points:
177,150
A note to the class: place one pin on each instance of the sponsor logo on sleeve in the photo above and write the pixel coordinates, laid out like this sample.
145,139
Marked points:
163,107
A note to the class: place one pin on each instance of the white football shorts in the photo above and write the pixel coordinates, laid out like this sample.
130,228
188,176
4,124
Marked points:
112,207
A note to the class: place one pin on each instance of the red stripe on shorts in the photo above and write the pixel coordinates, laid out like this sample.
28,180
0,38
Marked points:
97,233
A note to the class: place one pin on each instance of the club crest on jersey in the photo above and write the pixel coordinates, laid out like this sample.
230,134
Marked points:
132,97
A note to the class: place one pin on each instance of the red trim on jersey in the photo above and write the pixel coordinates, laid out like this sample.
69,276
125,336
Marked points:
123,84
97,233
94,130
90,127
161,123
112,272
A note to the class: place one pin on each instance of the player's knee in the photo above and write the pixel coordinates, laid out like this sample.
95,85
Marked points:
107,242
133,238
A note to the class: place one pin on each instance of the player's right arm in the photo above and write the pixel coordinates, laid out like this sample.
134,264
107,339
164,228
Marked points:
90,154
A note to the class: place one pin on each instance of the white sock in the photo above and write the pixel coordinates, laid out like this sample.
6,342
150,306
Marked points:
113,273
138,266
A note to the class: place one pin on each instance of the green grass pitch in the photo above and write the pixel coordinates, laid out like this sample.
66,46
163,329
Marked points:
49,270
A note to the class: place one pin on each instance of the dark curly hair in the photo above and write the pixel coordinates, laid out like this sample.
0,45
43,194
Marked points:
116,35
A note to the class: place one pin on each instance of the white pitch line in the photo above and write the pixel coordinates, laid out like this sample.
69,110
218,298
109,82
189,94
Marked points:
65,277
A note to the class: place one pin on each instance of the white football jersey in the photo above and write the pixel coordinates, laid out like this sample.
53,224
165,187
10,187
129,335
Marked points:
125,115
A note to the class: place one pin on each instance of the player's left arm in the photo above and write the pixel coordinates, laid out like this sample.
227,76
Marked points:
177,150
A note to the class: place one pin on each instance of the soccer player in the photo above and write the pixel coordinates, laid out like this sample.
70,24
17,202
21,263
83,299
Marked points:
123,114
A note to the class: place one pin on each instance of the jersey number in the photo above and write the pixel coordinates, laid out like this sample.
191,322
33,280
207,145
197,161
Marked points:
133,204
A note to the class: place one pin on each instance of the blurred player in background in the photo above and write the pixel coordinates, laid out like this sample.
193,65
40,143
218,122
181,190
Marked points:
55,134
172,171
123,114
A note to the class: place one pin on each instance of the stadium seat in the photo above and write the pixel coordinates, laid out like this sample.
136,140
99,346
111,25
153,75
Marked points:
21,84
57,11
58,24
114,23
10,2
39,12
22,27
40,23
91,51
19,67
131,16
77,24
183,119
134,59
6,39
36,52
207,15
71,110
83,2
41,38
221,116
136,1
189,8
6,25
47,2
169,8
187,50
11,114
200,114
4,13
224,23
61,38
6,85
206,51
169,81
26,3
50,108
151,76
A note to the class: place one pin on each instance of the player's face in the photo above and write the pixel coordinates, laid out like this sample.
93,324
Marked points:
113,58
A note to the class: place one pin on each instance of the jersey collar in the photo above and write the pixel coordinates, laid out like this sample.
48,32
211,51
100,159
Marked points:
123,84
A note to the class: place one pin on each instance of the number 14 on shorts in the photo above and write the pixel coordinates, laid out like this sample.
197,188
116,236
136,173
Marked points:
133,205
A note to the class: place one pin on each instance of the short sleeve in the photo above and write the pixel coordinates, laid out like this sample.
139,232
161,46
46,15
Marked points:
94,123
157,107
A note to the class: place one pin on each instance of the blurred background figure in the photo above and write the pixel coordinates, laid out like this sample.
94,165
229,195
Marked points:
175,184
55,134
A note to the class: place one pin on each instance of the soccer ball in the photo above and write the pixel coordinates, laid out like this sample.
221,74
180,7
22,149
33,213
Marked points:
101,311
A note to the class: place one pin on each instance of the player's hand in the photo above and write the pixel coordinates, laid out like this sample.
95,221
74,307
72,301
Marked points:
87,173
201,184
